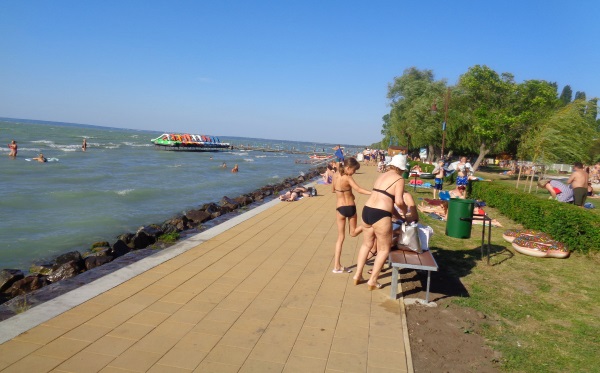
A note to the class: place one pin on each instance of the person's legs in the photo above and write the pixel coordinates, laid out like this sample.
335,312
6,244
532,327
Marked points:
383,234
341,227
361,260
579,196
353,229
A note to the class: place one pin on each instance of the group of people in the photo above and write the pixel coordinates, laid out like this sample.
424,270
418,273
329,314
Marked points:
14,148
387,201
575,191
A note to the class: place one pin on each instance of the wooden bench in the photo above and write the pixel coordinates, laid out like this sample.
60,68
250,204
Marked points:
399,259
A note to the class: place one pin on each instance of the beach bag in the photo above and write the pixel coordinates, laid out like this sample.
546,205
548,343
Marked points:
410,237
312,191
425,232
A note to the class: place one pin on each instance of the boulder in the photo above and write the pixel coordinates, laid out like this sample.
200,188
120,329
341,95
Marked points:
126,238
27,285
42,268
243,200
211,208
67,257
66,270
141,240
98,251
100,244
9,277
229,203
119,248
95,261
198,216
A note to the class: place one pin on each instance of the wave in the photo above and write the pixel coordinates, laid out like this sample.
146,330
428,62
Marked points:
124,191
248,160
128,143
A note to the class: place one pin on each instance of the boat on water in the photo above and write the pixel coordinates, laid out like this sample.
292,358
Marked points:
188,142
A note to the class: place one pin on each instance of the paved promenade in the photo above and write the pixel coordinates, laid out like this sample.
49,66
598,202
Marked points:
255,294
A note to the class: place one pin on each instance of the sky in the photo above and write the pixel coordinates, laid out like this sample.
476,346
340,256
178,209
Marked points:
315,71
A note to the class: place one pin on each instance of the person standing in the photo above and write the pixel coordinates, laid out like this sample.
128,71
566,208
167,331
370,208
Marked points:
438,173
13,149
342,186
388,190
579,183
84,145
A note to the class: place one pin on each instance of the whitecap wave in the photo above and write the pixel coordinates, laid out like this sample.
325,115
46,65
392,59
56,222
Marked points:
248,160
260,156
43,142
124,191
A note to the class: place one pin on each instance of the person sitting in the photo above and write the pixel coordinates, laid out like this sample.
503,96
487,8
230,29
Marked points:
558,191
416,169
40,158
328,174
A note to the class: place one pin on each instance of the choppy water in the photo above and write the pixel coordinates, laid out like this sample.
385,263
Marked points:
120,183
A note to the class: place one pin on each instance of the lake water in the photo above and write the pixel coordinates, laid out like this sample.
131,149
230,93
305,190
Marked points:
119,184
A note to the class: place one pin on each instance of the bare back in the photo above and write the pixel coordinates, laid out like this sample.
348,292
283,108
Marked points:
393,184
578,179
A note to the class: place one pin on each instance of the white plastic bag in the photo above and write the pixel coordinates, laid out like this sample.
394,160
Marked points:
410,237
425,232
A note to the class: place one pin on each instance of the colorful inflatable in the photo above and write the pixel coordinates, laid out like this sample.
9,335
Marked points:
536,244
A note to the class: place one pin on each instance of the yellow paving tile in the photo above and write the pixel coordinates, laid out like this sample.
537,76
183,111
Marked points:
13,350
171,329
41,334
314,349
258,366
68,320
228,354
155,343
385,359
112,346
87,332
222,315
131,330
198,342
33,363
187,316
184,359
62,348
216,367
301,364
158,368
135,360
240,339
86,362
316,334
347,362
211,327
163,307
276,353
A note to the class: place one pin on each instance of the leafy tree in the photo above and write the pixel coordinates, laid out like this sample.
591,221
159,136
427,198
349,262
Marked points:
566,95
484,99
567,136
410,119
579,95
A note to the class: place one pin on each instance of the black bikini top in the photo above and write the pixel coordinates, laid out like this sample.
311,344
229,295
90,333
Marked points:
385,191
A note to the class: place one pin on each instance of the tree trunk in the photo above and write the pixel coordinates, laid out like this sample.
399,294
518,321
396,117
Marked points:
431,154
482,153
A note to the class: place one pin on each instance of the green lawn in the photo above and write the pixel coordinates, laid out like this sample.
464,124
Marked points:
542,314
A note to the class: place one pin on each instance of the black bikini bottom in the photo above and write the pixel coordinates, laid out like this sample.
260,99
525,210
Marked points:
347,211
372,215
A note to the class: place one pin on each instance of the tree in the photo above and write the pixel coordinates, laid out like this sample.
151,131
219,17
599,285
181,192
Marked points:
566,95
410,118
567,136
484,99
579,95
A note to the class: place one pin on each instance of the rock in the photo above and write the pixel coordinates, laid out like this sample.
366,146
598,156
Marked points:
68,257
180,223
119,248
228,203
42,268
198,216
27,285
211,208
95,261
66,270
98,251
9,277
141,240
100,244
243,200
126,238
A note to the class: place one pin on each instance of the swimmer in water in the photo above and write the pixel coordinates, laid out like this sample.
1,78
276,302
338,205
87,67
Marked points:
40,158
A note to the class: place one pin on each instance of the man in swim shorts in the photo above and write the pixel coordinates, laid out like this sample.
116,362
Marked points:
438,172
579,184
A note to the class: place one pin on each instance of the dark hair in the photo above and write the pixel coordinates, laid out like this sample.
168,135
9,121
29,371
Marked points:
578,164
349,162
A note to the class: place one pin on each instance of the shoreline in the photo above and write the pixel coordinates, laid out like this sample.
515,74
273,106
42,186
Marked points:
13,305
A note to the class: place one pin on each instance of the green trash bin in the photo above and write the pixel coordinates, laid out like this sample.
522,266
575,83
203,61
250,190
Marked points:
457,209
406,174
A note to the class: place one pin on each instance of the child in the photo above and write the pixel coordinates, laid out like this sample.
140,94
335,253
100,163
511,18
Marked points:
439,174
342,186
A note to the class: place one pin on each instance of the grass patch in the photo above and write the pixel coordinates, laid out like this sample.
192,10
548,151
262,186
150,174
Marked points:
542,314
169,237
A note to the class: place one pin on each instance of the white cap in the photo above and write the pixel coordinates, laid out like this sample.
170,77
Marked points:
399,160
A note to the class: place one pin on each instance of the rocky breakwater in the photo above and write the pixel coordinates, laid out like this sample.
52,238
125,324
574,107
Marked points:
16,282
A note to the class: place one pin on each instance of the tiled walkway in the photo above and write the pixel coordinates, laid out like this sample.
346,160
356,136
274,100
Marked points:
258,297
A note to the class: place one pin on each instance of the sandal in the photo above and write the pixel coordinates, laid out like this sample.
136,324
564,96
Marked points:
373,287
342,270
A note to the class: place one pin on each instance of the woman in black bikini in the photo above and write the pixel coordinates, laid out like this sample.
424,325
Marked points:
342,186
377,220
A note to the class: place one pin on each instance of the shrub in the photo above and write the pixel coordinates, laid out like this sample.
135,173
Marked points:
576,227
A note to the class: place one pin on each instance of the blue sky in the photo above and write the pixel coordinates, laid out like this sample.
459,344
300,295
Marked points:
291,70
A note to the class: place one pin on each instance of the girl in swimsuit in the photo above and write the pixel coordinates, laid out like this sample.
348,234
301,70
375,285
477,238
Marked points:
377,220
342,186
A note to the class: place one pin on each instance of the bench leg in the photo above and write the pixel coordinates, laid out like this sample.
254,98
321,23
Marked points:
427,292
394,291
